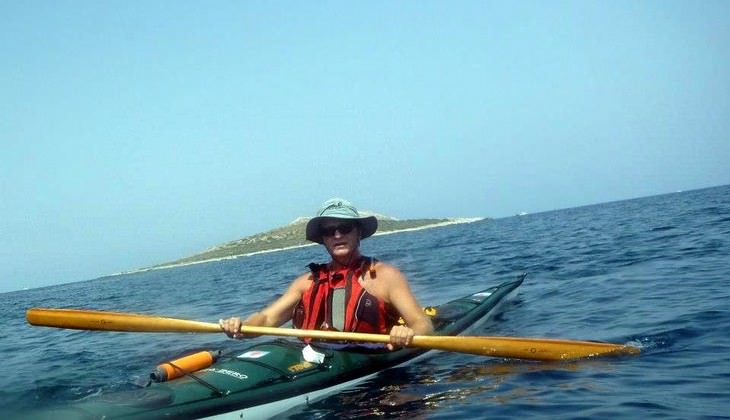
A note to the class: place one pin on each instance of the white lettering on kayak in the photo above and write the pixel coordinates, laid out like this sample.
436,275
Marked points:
231,373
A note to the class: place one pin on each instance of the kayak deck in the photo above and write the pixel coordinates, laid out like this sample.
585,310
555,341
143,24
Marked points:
270,377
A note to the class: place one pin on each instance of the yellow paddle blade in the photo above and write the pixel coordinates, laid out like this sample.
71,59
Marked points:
508,347
528,348
79,319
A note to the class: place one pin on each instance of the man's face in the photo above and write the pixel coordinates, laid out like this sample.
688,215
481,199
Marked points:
340,237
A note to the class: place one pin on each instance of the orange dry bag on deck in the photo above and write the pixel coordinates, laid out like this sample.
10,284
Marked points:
182,366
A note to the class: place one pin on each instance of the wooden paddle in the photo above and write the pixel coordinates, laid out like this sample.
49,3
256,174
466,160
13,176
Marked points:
508,347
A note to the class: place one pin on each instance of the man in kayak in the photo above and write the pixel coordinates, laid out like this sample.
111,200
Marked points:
351,293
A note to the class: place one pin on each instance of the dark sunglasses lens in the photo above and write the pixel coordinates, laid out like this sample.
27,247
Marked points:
344,229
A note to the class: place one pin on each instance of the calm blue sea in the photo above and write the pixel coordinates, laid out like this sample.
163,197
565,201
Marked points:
653,272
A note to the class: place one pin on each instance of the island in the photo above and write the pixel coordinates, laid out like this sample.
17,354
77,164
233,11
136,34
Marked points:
292,236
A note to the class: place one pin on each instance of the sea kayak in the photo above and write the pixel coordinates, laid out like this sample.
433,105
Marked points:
272,377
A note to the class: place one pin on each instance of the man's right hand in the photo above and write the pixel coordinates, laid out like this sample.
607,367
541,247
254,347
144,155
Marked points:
232,327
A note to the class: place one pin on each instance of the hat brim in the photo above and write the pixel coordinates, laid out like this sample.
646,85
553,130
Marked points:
368,226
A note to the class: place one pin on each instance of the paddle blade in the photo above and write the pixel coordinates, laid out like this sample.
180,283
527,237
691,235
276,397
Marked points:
543,349
113,321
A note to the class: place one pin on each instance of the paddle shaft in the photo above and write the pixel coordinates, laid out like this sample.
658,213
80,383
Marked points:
508,347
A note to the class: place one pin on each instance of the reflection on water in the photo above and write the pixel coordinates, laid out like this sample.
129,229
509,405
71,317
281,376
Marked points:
419,391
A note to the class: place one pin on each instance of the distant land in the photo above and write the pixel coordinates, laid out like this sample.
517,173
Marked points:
292,236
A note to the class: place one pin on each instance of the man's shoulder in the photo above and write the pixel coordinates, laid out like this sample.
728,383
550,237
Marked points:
303,280
387,270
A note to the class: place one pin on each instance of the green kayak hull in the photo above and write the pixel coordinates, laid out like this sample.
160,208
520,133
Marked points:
271,377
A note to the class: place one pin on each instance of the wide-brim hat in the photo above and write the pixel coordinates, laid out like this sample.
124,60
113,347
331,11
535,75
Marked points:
338,208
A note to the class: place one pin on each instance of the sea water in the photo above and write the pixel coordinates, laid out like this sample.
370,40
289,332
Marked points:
652,272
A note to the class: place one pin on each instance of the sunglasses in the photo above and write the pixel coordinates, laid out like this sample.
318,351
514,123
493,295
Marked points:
343,228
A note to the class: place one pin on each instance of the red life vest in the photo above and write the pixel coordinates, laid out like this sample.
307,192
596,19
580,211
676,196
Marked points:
362,312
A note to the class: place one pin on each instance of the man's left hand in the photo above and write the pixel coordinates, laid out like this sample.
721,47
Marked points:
400,336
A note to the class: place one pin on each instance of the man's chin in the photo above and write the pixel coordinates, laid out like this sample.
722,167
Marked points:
341,251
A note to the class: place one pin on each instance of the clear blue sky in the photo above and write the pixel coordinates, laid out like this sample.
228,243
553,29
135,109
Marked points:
136,132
